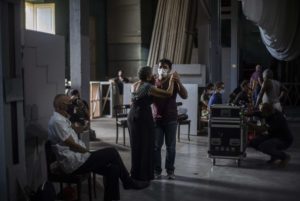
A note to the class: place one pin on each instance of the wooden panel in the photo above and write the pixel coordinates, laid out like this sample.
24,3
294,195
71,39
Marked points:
94,99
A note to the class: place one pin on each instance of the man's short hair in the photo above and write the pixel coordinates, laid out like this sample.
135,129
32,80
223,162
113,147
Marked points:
166,61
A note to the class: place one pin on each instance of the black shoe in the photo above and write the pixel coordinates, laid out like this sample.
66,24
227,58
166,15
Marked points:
135,184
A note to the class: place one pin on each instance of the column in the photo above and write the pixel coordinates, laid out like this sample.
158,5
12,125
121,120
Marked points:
215,70
79,47
234,45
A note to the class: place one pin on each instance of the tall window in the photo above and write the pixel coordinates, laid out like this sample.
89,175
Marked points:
40,17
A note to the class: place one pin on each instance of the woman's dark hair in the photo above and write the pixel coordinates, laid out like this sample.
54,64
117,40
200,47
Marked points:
209,86
144,73
219,84
166,61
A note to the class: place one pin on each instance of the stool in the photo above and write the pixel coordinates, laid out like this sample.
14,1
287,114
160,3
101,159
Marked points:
184,122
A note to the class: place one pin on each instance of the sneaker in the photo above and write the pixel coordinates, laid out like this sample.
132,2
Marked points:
171,176
157,175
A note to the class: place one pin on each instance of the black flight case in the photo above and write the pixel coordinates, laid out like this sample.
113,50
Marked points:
227,133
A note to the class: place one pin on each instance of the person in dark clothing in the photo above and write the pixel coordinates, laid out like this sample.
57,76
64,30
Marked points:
165,116
119,80
274,136
234,93
80,113
74,158
79,109
141,125
243,97
216,97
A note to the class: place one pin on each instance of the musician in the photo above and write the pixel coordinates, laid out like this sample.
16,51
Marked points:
242,97
274,137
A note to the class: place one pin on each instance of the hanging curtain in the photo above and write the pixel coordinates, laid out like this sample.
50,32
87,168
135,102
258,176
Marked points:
173,31
279,25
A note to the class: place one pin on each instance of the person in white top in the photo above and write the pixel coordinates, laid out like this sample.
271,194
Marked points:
74,158
271,92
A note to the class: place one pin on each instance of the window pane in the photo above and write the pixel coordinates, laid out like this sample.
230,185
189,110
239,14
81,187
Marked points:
29,16
45,19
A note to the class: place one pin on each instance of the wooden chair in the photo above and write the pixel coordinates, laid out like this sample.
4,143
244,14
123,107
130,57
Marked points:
121,113
62,178
183,122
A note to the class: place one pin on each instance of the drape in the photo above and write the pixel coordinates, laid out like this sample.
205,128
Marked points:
173,31
279,25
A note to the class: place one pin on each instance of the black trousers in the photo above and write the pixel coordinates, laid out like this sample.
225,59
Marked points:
107,162
271,146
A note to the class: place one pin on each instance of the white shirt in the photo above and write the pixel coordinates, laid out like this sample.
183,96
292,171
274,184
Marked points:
59,129
272,96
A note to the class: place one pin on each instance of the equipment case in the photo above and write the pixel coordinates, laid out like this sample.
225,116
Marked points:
227,133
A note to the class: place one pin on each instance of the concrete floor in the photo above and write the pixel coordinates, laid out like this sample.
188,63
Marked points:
197,179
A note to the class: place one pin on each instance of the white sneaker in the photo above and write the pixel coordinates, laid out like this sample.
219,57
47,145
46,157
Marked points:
157,175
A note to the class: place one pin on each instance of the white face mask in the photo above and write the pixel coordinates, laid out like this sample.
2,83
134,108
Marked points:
222,91
162,72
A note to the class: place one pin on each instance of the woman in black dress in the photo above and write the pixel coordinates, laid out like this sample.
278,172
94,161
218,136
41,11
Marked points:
141,125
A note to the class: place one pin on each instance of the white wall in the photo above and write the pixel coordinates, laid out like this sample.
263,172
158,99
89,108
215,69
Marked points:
44,75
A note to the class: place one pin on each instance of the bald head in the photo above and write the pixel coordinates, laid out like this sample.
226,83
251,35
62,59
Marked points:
61,103
268,74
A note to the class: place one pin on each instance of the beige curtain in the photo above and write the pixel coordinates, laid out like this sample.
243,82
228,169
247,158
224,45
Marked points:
173,31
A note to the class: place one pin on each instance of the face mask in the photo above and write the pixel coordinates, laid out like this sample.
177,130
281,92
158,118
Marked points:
162,72
222,91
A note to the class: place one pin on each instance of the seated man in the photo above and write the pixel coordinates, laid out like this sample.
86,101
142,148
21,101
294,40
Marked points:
274,136
74,158
243,97
216,97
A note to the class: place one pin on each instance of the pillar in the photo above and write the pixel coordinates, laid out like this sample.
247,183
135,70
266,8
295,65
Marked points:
79,46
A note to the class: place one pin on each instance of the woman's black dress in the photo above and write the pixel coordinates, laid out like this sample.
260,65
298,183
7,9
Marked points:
141,129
